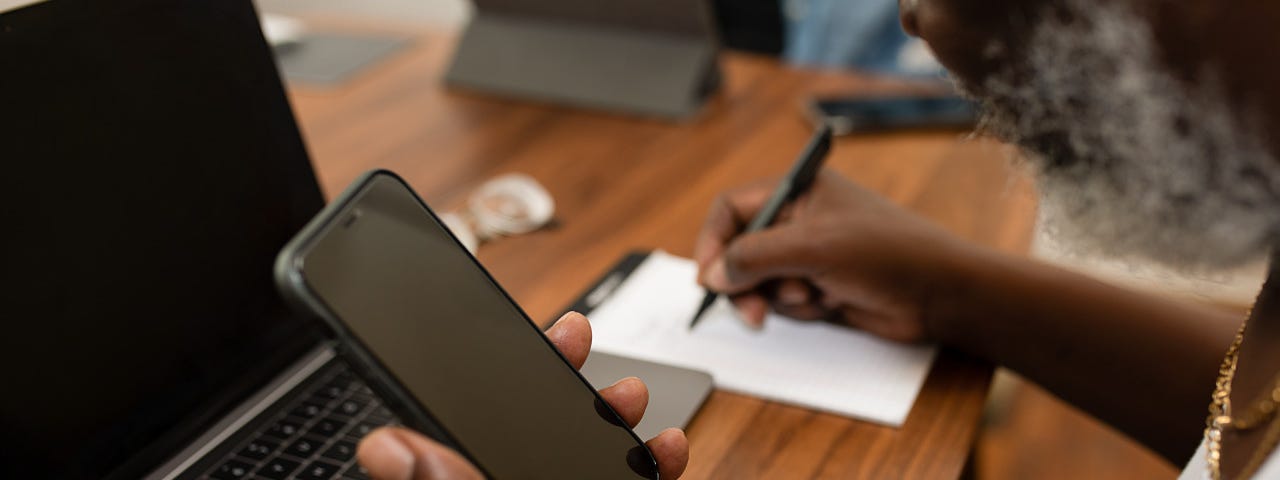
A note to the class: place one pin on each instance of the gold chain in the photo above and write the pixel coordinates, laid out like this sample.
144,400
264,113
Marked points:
1220,407
1221,418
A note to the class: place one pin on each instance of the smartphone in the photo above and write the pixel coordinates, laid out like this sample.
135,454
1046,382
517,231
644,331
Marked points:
433,334
878,114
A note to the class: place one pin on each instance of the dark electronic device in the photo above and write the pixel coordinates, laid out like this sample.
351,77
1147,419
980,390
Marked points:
647,57
431,331
153,173
872,114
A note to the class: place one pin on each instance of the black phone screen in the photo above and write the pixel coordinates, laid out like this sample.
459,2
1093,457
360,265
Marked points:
847,115
406,290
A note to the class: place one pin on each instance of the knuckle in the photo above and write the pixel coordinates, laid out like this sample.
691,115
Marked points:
816,242
737,257
743,258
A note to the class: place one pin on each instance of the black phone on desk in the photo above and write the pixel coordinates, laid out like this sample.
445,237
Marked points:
848,115
430,330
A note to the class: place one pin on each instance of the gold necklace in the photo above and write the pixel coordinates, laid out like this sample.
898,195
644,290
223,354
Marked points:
1220,407
1221,418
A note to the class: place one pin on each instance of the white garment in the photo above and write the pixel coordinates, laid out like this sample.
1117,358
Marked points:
1198,470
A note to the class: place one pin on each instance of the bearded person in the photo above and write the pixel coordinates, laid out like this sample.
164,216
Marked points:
1146,125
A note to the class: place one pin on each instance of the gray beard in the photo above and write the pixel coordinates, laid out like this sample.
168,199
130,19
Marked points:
1130,162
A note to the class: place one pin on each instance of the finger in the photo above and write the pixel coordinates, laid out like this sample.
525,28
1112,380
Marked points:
793,292
671,449
392,453
571,334
810,311
730,212
798,299
752,258
751,308
629,397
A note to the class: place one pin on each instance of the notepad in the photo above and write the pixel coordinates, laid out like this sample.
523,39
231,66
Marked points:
810,364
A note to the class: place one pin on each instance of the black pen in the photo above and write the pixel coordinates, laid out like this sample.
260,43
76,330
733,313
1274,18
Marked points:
797,181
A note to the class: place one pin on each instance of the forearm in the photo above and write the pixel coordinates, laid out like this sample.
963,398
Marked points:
1143,364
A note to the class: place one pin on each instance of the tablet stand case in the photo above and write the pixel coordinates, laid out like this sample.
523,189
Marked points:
648,57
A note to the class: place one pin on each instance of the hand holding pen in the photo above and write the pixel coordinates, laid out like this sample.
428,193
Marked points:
839,253
796,182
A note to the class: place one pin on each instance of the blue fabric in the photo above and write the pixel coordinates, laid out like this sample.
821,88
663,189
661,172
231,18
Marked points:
864,34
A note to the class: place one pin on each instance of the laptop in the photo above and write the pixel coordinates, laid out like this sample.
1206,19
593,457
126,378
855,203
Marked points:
152,171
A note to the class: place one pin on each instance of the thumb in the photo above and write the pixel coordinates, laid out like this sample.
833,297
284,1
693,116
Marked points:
754,257
393,453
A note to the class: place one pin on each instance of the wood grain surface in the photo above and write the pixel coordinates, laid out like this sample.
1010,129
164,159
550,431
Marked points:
623,183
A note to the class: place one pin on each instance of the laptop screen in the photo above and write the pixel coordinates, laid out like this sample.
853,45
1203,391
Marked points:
151,171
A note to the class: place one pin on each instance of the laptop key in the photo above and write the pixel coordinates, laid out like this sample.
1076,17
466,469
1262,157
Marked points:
259,448
304,447
377,418
327,427
363,398
318,470
284,429
278,469
363,428
342,450
232,470
356,472
307,410
349,408
331,391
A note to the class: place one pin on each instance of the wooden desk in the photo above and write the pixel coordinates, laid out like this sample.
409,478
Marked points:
624,183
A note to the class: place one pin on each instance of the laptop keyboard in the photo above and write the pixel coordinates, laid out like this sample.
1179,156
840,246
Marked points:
312,437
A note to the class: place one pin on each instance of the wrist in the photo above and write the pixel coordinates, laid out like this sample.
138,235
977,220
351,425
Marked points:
952,300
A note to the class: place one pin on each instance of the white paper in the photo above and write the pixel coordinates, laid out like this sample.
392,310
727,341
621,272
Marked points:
810,364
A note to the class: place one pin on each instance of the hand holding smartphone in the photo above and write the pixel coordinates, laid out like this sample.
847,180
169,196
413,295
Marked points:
446,347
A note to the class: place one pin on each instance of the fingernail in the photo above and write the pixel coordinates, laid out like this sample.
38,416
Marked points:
756,322
556,333
716,277
628,379
745,319
396,460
